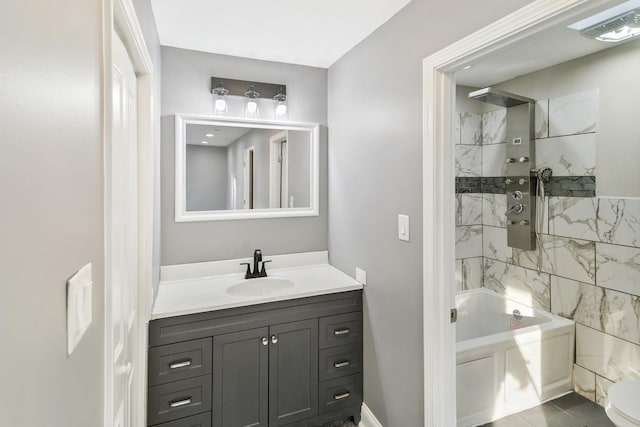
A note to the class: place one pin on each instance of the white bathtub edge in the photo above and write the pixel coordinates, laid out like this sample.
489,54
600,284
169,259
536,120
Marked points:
368,418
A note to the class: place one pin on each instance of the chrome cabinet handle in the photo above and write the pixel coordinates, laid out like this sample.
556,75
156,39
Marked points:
342,364
265,340
179,403
341,331
274,339
341,396
181,364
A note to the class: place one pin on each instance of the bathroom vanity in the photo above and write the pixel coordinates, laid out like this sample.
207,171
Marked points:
289,357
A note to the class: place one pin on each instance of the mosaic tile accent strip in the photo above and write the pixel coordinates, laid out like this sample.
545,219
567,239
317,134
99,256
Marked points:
560,186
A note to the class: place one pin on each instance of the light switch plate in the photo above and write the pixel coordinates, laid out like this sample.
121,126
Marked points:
403,227
79,306
361,276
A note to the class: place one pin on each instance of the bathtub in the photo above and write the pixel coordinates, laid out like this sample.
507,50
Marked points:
500,371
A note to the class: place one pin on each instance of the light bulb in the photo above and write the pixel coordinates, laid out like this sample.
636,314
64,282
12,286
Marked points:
221,105
252,107
281,109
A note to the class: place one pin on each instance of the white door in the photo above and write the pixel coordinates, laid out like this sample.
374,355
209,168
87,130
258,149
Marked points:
123,264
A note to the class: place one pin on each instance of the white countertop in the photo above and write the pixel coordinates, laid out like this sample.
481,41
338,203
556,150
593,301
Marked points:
196,295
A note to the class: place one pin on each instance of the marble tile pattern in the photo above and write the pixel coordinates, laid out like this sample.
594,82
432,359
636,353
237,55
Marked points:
472,277
458,209
470,128
494,127
584,382
494,207
470,209
573,155
494,244
612,312
542,119
468,241
618,267
468,160
493,160
573,217
456,128
561,256
619,221
602,388
527,286
610,357
573,114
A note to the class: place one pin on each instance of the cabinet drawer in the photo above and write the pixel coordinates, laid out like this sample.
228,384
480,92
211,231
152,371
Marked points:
179,399
201,420
340,361
340,330
340,393
179,361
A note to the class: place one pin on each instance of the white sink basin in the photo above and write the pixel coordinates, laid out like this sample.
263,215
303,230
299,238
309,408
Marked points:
259,287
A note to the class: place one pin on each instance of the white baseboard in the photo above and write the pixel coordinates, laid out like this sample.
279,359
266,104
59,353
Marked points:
368,419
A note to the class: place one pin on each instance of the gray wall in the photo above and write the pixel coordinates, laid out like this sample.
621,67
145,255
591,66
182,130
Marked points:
206,177
51,221
150,33
614,73
375,159
186,89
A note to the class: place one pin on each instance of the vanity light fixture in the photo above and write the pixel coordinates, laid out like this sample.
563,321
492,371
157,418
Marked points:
281,104
228,92
613,25
251,106
220,99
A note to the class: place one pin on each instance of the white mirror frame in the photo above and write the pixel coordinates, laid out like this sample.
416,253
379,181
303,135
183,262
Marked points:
182,215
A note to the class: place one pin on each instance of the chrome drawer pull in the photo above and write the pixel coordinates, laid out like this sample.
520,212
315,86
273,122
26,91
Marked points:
341,396
179,403
181,364
342,364
341,331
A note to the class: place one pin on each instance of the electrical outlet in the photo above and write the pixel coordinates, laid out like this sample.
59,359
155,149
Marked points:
361,276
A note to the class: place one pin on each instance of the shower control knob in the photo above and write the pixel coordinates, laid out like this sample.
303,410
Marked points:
508,181
510,160
515,208
522,181
517,195
524,222
523,159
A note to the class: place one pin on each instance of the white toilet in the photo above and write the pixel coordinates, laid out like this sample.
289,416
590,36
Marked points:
623,404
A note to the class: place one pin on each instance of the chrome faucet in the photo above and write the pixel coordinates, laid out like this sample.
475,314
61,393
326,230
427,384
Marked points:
257,258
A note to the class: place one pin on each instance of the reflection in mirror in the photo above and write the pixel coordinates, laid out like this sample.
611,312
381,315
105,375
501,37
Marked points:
228,169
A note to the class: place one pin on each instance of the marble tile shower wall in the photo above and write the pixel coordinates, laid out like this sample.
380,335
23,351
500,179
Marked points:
588,251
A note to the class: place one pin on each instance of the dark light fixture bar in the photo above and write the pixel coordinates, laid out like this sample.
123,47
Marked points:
240,87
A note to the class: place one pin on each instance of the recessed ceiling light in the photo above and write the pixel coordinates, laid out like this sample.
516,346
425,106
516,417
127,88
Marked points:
467,67
205,142
209,135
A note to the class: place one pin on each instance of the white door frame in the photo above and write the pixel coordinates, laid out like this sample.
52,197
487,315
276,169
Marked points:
249,178
278,168
439,188
119,16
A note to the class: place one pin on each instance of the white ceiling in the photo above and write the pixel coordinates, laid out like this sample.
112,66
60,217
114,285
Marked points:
310,32
222,135
549,47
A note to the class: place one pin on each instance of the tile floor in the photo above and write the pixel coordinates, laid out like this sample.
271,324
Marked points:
571,410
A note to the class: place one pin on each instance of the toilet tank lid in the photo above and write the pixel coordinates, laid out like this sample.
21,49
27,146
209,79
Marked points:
624,397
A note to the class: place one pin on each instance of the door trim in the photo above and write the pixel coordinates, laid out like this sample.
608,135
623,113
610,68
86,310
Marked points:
119,16
278,191
438,165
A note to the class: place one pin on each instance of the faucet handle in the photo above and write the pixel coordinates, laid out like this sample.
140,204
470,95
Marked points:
247,275
263,272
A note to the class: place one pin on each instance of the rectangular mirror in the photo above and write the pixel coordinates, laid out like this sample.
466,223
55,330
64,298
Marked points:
229,168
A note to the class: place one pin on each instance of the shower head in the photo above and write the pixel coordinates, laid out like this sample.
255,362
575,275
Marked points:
544,174
498,97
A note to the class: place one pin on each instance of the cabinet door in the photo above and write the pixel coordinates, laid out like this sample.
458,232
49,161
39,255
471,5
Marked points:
240,375
293,372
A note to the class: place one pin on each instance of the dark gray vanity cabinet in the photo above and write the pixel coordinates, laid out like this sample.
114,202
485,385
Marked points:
295,363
